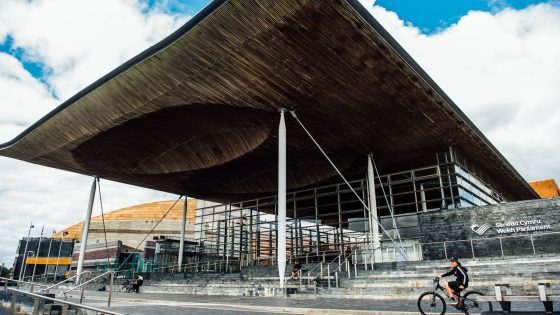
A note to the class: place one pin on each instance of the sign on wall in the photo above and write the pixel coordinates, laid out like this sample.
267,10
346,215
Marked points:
512,227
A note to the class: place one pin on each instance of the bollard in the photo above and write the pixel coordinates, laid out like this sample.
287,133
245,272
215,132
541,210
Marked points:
308,278
13,304
348,269
355,270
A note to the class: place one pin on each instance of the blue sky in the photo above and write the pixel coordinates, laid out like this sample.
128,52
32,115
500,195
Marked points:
434,15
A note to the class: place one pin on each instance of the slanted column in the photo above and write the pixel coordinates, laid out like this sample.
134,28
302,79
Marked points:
85,230
182,240
282,198
373,218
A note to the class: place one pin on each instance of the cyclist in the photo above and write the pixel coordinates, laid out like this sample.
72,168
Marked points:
461,282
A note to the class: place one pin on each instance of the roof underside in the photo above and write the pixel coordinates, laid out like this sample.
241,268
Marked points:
197,113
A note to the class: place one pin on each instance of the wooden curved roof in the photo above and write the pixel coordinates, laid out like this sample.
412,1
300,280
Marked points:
152,211
197,113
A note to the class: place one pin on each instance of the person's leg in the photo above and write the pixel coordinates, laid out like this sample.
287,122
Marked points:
449,290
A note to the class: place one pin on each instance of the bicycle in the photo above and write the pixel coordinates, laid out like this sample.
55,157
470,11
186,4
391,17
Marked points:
432,302
126,287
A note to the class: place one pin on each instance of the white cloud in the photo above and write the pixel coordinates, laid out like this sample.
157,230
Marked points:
502,69
79,41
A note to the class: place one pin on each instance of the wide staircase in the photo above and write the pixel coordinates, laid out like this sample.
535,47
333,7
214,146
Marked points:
399,280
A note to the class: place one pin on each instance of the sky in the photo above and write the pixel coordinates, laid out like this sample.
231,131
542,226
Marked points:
499,60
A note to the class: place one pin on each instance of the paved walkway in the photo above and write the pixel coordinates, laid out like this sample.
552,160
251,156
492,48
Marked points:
133,303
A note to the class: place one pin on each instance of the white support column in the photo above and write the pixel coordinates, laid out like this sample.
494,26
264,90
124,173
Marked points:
374,227
282,198
85,230
423,198
182,240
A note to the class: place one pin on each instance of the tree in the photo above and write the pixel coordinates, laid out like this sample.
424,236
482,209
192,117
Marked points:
5,272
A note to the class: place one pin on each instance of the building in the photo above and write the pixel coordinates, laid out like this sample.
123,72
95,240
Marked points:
546,188
44,257
250,99
140,237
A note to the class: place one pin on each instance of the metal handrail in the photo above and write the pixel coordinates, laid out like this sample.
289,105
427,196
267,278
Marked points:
24,282
86,307
173,266
320,264
64,281
84,283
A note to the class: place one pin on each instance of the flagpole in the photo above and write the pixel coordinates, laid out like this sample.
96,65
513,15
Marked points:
46,272
23,263
58,257
37,254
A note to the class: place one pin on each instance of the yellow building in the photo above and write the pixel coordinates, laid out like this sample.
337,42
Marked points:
546,188
131,224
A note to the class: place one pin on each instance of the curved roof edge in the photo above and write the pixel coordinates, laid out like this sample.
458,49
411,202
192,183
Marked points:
170,39
424,75
214,5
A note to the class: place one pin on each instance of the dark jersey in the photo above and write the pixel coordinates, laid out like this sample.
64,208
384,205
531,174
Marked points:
460,274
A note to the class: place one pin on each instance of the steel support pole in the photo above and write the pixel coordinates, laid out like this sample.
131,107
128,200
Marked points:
85,231
374,226
182,240
282,198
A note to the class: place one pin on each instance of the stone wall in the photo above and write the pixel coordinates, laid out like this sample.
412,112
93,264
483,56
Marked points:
509,229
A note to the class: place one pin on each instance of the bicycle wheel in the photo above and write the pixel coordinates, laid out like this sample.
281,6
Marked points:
430,303
473,306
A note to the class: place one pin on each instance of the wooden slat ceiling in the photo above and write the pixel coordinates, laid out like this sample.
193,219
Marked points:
198,112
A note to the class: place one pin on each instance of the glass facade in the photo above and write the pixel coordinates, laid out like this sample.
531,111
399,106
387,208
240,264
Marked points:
328,220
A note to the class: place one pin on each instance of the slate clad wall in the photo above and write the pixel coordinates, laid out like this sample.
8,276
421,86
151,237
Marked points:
458,224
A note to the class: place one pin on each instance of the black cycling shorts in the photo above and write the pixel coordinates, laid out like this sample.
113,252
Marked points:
454,285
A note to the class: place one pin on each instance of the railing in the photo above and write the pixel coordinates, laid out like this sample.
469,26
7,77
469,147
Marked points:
342,258
83,286
18,282
217,265
46,290
504,246
66,304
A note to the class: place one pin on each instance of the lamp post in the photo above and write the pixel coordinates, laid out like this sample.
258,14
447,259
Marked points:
25,252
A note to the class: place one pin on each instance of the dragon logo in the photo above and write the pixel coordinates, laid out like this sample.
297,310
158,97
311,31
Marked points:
480,229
